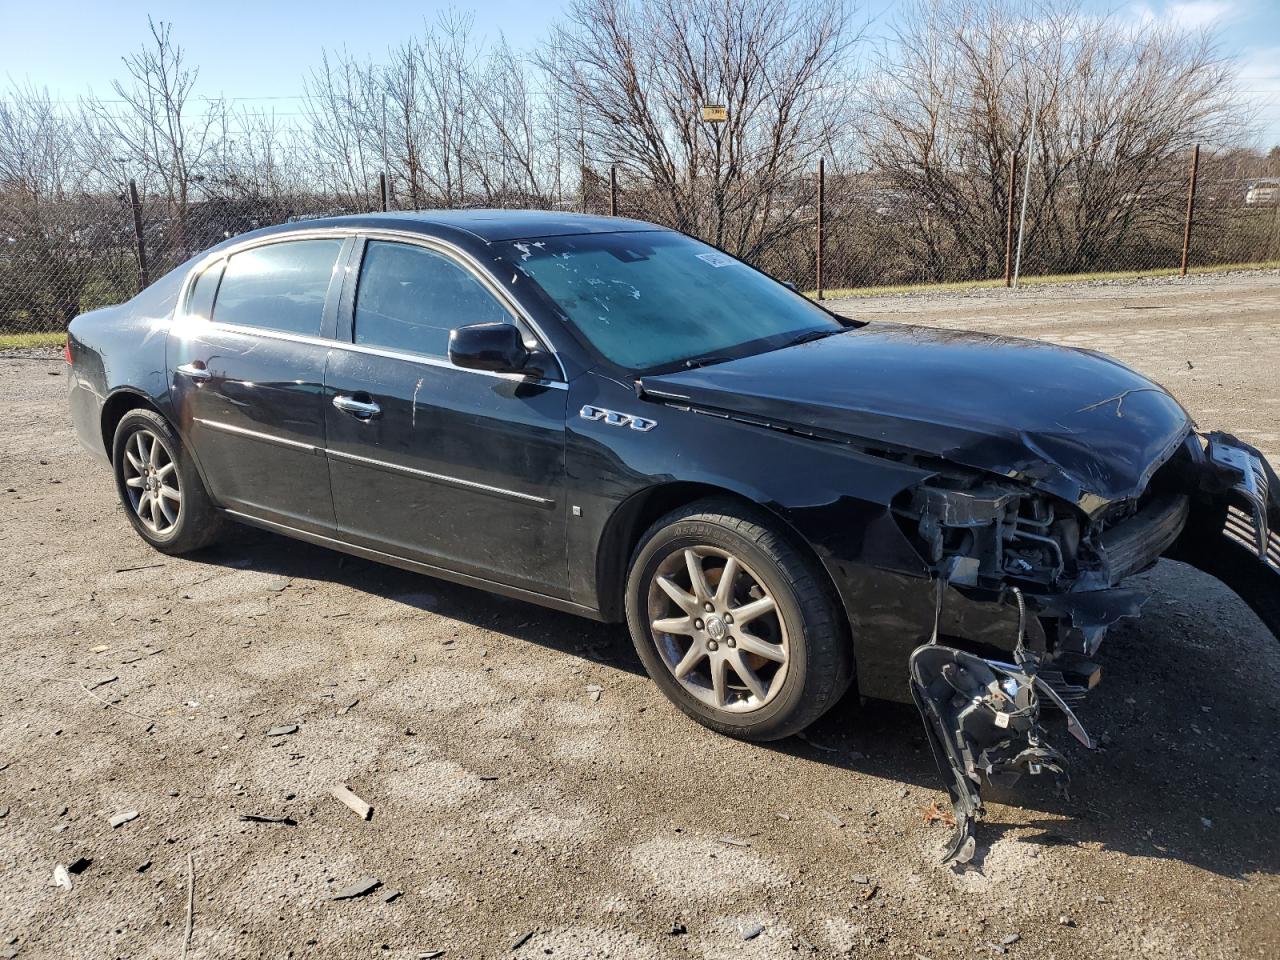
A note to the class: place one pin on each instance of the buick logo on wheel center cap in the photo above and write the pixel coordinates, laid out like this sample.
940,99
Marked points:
715,628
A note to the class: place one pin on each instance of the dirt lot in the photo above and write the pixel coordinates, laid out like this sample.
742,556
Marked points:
528,780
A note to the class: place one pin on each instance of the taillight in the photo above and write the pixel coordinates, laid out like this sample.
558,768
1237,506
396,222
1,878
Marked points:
66,351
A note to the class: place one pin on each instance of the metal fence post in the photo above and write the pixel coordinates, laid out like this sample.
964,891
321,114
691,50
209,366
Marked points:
1008,229
1191,202
613,190
137,234
822,178
382,192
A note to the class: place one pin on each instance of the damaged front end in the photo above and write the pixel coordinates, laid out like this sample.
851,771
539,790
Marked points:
1215,505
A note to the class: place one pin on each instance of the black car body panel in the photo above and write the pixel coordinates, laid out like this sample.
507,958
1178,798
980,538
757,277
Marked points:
981,499
1073,423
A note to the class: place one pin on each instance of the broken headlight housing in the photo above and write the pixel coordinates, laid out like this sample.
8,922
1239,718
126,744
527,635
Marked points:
989,533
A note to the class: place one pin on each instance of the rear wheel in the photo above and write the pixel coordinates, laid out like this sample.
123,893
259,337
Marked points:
159,486
736,625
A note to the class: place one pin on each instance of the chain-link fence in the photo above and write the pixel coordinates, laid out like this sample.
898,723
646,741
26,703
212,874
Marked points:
831,230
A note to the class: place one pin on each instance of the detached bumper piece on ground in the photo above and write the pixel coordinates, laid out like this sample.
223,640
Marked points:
983,716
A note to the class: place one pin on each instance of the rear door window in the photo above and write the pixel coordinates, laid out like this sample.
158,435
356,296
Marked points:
280,286
409,298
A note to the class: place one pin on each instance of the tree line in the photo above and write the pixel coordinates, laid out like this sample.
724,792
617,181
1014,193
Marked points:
919,120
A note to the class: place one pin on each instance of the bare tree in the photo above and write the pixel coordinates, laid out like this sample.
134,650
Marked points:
156,126
638,75
1115,103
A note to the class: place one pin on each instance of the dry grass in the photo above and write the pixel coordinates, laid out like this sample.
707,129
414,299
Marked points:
15,341
1042,281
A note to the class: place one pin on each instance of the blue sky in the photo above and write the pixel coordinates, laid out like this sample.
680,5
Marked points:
261,50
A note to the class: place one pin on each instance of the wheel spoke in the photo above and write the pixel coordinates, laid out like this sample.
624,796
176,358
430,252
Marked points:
155,450
683,600
749,643
144,508
724,589
748,676
720,679
169,514
171,493
133,461
697,577
167,469
136,482
689,661
750,611
683,625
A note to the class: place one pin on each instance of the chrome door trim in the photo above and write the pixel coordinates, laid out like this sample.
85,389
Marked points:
256,435
440,478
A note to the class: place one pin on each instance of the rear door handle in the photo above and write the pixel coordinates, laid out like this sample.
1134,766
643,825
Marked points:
357,408
195,370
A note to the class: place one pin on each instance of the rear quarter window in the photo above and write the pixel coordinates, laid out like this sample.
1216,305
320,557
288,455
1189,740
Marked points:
279,286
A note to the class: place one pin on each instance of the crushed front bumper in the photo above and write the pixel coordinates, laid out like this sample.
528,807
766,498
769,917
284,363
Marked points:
983,716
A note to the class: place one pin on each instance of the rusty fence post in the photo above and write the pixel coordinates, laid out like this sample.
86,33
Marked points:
822,177
382,192
1008,228
1191,203
137,235
613,190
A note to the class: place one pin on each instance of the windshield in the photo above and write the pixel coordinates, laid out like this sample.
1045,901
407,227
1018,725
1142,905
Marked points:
648,300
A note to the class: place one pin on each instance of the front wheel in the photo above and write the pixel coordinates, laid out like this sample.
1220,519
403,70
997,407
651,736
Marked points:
159,485
736,625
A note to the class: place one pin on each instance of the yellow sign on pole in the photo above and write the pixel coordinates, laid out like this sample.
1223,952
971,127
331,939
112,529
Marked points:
715,114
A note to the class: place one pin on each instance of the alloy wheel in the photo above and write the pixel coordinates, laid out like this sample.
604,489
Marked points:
718,629
151,481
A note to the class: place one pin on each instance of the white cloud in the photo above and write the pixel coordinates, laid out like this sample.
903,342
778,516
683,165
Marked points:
1189,14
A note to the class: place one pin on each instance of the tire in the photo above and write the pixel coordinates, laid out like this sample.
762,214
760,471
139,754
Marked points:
803,624
150,462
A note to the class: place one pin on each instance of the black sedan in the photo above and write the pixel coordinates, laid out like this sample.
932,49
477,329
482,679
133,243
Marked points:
614,419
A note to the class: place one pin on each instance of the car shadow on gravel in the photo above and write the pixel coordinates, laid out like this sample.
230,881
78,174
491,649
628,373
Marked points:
1186,768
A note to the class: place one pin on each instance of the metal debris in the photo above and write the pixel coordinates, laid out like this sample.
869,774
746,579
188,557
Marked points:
343,795
123,817
430,954
283,730
357,889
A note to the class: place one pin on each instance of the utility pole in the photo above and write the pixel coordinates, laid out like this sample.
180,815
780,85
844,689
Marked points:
1008,228
822,182
1191,203
1026,191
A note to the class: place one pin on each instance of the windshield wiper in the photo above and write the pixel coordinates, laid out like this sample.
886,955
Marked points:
694,362
811,335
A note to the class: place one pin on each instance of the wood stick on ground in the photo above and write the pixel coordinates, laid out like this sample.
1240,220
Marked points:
105,703
191,904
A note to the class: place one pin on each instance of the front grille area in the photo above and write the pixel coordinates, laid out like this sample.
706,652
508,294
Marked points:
1241,528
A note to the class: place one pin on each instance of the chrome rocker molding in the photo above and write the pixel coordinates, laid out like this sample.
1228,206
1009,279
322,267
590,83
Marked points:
395,560
380,464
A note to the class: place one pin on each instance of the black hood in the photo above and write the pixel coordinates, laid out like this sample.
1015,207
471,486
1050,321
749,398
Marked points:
1072,422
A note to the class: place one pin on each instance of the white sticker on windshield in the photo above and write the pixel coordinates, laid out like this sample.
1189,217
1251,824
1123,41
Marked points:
716,259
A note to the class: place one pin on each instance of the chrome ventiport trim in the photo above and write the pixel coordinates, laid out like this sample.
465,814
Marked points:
440,478
255,435
615,419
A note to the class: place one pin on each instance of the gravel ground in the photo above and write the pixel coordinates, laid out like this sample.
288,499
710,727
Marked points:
533,793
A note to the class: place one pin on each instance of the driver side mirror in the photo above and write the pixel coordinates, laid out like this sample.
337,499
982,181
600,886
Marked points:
497,347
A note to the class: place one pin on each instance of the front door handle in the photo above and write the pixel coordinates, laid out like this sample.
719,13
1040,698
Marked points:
195,370
357,408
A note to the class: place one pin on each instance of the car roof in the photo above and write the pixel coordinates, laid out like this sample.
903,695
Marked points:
487,225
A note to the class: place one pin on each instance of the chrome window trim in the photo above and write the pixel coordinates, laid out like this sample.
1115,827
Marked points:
454,252
378,352
440,477
256,435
